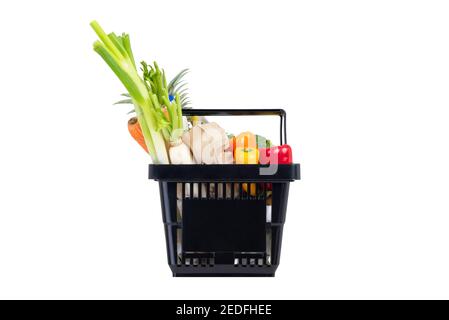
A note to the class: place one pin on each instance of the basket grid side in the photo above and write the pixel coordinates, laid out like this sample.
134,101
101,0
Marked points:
232,191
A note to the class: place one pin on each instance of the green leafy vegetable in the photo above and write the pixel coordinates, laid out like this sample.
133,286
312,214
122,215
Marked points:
155,81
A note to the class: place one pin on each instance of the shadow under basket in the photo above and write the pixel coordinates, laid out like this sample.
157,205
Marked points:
223,220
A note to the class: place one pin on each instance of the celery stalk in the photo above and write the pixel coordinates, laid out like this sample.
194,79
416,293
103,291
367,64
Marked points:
179,109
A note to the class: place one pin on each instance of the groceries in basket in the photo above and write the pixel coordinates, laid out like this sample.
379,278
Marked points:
158,124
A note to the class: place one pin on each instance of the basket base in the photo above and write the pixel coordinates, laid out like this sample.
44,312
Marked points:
179,275
223,271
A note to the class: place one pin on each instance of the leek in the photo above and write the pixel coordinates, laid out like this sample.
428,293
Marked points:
116,52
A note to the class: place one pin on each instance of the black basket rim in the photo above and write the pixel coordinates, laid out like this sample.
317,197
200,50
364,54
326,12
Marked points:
222,173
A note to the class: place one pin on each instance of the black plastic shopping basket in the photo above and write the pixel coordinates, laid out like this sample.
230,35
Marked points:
224,220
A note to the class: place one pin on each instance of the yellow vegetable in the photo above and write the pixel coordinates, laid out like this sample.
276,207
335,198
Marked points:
247,156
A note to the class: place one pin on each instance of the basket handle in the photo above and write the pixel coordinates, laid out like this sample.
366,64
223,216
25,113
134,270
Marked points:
244,112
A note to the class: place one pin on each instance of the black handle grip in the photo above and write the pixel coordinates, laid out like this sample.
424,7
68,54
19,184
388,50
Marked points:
244,112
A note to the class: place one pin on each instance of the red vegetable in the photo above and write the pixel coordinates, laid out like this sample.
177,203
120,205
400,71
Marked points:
276,155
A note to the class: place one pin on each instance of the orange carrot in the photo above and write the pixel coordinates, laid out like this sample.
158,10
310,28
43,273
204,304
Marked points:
165,111
136,132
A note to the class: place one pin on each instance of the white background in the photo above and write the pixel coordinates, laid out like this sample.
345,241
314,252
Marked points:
365,85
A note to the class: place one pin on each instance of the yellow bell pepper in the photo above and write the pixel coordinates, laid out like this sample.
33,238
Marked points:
247,156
